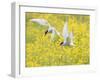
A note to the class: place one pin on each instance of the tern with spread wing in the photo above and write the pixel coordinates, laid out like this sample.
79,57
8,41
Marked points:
50,29
68,37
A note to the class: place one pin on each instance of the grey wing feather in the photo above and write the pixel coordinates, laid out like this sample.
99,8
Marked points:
65,31
71,38
40,21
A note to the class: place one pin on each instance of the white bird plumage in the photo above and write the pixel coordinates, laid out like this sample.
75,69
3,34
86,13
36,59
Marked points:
51,29
65,33
40,21
71,39
68,37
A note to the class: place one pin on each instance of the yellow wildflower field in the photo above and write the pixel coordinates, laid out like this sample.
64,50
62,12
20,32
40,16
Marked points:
41,51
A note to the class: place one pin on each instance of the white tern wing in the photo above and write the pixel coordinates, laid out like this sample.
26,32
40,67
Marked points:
71,35
40,21
65,31
71,38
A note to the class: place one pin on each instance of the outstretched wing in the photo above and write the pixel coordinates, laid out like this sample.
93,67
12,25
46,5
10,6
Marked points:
71,38
65,31
71,35
41,21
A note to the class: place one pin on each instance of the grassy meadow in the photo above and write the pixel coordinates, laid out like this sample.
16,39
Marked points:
41,51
